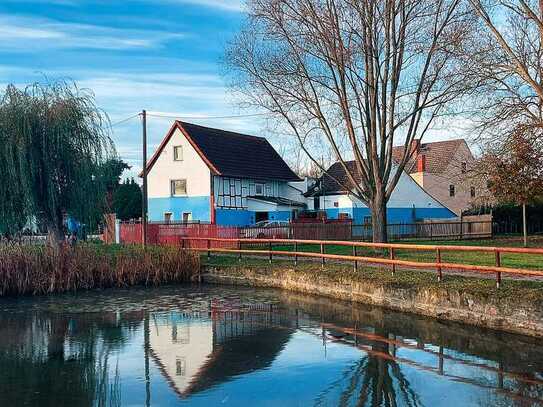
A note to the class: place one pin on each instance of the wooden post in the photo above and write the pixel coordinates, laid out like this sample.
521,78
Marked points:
392,258
208,249
322,257
355,262
144,176
498,274
295,253
270,250
239,248
439,270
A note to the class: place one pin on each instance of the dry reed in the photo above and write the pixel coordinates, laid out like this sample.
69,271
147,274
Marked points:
36,270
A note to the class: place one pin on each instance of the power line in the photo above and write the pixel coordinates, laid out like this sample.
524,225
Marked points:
125,120
171,116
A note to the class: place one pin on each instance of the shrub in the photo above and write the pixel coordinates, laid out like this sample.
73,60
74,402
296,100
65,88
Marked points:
35,270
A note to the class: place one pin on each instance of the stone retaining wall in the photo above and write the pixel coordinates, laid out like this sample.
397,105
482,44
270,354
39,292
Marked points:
497,312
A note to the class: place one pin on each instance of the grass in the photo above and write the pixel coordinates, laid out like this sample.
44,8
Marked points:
482,288
514,260
37,269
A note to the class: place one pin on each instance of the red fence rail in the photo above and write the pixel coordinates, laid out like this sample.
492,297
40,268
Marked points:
392,261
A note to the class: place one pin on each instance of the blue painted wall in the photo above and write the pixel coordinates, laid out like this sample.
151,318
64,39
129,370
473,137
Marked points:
198,205
234,217
394,215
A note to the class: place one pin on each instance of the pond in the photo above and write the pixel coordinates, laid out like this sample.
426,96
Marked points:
211,345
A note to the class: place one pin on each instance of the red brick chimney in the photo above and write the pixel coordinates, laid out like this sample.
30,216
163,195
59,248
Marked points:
421,163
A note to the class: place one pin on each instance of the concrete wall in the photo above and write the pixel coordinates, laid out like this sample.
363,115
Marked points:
193,169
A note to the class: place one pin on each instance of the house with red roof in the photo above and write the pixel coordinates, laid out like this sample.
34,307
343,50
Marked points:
445,170
211,175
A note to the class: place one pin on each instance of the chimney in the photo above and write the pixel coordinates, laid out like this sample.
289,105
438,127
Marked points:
415,146
421,163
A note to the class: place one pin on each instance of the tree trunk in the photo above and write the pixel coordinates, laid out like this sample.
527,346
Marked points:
55,235
379,220
524,225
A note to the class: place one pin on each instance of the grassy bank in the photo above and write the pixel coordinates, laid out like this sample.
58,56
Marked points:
527,261
35,270
482,288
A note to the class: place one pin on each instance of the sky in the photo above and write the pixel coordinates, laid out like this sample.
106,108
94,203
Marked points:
158,55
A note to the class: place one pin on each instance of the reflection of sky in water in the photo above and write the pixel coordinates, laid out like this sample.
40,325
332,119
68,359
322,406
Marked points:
243,354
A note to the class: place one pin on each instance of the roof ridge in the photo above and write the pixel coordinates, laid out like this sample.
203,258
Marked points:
233,133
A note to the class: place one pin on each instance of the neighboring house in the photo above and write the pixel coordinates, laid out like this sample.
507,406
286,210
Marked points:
445,170
211,175
408,203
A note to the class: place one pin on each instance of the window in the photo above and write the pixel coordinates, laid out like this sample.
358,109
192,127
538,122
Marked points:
180,366
179,187
472,192
167,217
451,190
187,217
464,168
259,189
178,153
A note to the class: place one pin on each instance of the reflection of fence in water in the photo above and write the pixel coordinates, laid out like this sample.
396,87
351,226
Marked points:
235,320
365,341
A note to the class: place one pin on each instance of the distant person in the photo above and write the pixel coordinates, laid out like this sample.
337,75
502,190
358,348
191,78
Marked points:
73,229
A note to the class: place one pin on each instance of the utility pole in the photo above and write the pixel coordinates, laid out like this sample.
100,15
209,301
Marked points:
144,201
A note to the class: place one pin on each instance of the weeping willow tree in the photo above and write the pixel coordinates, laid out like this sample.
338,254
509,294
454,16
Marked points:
53,140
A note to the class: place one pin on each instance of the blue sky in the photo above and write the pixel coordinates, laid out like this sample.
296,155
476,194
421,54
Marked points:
158,55
161,55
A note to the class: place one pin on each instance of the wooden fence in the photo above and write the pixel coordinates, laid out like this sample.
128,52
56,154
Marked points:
438,265
171,233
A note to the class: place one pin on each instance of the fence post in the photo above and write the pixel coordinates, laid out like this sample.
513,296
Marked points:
392,258
208,249
295,253
183,243
355,262
239,248
270,250
322,257
498,264
439,270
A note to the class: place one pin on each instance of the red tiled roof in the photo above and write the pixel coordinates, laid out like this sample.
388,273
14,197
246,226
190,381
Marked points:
438,155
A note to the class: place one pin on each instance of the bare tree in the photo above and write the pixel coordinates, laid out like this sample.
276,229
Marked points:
357,76
508,63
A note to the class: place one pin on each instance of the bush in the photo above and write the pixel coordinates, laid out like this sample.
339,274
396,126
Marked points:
35,270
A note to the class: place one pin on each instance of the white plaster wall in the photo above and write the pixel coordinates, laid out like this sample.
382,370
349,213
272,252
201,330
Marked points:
406,194
193,347
192,168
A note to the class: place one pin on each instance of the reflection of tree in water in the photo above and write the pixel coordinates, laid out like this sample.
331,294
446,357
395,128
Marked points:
374,380
518,392
43,355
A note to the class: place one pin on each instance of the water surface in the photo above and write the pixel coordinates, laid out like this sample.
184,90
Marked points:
207,346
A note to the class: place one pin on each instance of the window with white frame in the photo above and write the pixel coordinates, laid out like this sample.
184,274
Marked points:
259,189
178,187
178,153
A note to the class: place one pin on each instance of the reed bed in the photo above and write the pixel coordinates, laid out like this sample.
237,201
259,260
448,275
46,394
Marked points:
38,270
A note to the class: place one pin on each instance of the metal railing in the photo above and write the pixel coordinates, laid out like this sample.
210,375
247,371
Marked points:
392,260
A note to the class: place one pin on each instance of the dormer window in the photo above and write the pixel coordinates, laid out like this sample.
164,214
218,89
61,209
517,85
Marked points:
178,153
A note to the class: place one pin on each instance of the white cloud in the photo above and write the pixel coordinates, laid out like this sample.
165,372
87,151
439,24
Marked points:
229,5
20,34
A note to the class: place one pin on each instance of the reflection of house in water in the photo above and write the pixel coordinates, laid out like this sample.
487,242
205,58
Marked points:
197,351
